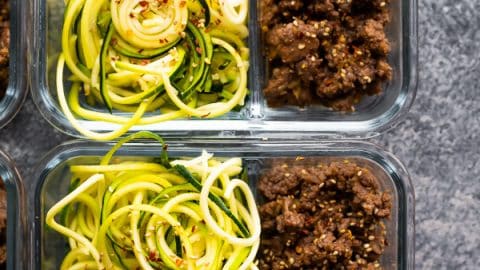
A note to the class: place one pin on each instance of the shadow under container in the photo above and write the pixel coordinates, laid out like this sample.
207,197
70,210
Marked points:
52,180
372,116
17,89
16,215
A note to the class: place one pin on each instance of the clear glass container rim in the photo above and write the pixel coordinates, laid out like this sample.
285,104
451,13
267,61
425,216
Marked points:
17,234
386,160
17,88
252,128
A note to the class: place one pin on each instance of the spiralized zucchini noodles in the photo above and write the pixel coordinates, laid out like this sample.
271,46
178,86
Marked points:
180,214
168,58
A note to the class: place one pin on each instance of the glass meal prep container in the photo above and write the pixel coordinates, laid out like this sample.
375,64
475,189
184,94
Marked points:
16,216
17,90
373,115
52,179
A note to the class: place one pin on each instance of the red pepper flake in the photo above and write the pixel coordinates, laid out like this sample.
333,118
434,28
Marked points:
143,3
152,255
199,50
182,4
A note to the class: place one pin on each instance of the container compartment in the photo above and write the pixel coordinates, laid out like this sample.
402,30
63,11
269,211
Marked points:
52,180
16,215
380,107
373,115
17,90
46,48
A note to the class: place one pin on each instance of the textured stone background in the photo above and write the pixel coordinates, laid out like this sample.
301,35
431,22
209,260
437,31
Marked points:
438,141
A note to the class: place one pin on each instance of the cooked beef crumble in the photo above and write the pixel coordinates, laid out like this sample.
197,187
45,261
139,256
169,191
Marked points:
4,45
325,51
325,216
3,225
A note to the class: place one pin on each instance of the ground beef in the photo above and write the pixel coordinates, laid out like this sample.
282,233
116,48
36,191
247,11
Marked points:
333,52
4,45
3,225
322,216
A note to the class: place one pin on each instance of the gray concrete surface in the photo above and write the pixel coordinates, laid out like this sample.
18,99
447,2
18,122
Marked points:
438,141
